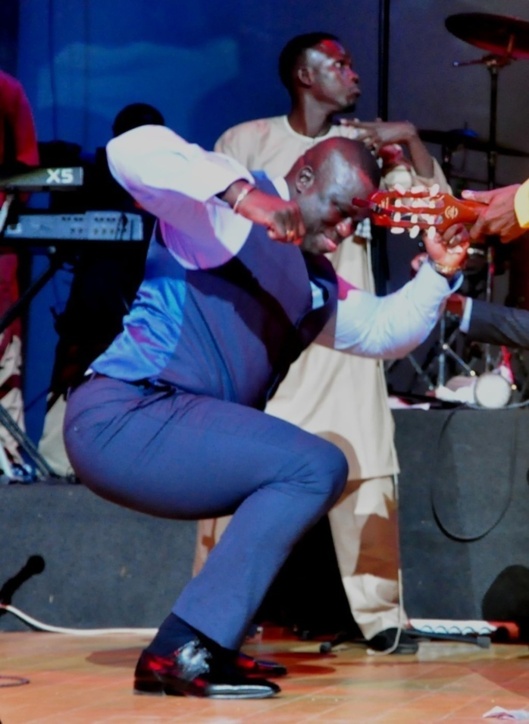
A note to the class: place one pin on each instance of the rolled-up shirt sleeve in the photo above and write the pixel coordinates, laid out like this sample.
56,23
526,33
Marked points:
389,327
178,182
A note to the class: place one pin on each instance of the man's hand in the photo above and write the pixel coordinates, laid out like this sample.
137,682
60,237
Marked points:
449,250
281,218
498,217
378,133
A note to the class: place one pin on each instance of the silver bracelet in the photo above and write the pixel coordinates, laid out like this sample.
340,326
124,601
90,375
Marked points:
242,195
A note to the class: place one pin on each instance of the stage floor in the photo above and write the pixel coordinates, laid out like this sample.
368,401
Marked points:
78,680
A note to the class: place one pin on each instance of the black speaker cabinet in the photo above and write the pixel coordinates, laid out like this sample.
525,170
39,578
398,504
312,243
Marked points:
71,559
464,513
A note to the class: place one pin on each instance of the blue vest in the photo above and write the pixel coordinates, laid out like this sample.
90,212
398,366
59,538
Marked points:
230,332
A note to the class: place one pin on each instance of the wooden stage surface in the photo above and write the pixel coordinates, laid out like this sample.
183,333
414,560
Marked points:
81,679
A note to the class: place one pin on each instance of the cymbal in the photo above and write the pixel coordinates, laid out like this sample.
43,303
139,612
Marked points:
497,34
467,139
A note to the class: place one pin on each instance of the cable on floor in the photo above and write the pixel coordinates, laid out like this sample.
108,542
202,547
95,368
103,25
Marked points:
40,626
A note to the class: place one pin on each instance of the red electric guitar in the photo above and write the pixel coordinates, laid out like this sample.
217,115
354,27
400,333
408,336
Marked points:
416,210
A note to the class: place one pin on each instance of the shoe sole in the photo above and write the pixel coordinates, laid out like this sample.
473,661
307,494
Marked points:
163,692
160,689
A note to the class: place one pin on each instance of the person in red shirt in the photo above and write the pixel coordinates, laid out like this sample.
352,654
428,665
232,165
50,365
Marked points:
18,147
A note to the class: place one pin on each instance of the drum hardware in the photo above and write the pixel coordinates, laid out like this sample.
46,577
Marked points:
485,253
506,39
465,139
446,350
432,211
492,390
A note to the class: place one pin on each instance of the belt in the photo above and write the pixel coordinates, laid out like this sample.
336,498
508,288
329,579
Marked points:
144,383
88,377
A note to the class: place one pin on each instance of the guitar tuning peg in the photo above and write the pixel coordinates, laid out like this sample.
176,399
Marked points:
431,232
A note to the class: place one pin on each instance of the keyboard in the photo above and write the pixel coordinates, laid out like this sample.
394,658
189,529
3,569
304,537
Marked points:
91,226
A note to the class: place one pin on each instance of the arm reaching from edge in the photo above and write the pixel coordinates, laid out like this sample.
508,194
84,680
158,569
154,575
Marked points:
505,213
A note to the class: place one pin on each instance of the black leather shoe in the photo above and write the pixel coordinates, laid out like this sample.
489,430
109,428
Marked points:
385,640
259,667
193,671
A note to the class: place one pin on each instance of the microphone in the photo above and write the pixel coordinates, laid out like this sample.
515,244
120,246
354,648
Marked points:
33,566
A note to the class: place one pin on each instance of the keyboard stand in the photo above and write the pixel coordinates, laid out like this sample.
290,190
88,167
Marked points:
29,179
6,420
41,465
55,264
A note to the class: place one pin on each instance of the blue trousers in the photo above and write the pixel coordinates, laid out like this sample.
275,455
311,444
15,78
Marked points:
177,455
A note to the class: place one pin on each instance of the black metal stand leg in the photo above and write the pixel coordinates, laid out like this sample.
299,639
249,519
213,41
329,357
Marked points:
9,316
481,640
25,443
34,288
493,68
343,637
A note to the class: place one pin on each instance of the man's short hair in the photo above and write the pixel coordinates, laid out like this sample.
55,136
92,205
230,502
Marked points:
294,49
134,115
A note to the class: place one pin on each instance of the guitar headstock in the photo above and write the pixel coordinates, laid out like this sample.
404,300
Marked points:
418,209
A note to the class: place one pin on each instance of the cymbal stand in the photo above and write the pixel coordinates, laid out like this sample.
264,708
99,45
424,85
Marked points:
488,297
493,63
445,342
441,360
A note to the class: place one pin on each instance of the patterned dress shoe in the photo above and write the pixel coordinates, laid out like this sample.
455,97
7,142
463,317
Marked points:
193,671
259,667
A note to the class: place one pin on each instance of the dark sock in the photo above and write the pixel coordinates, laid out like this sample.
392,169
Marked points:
175,632
172,634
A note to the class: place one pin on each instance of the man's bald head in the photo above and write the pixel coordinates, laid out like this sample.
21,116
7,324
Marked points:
337,155
324,181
